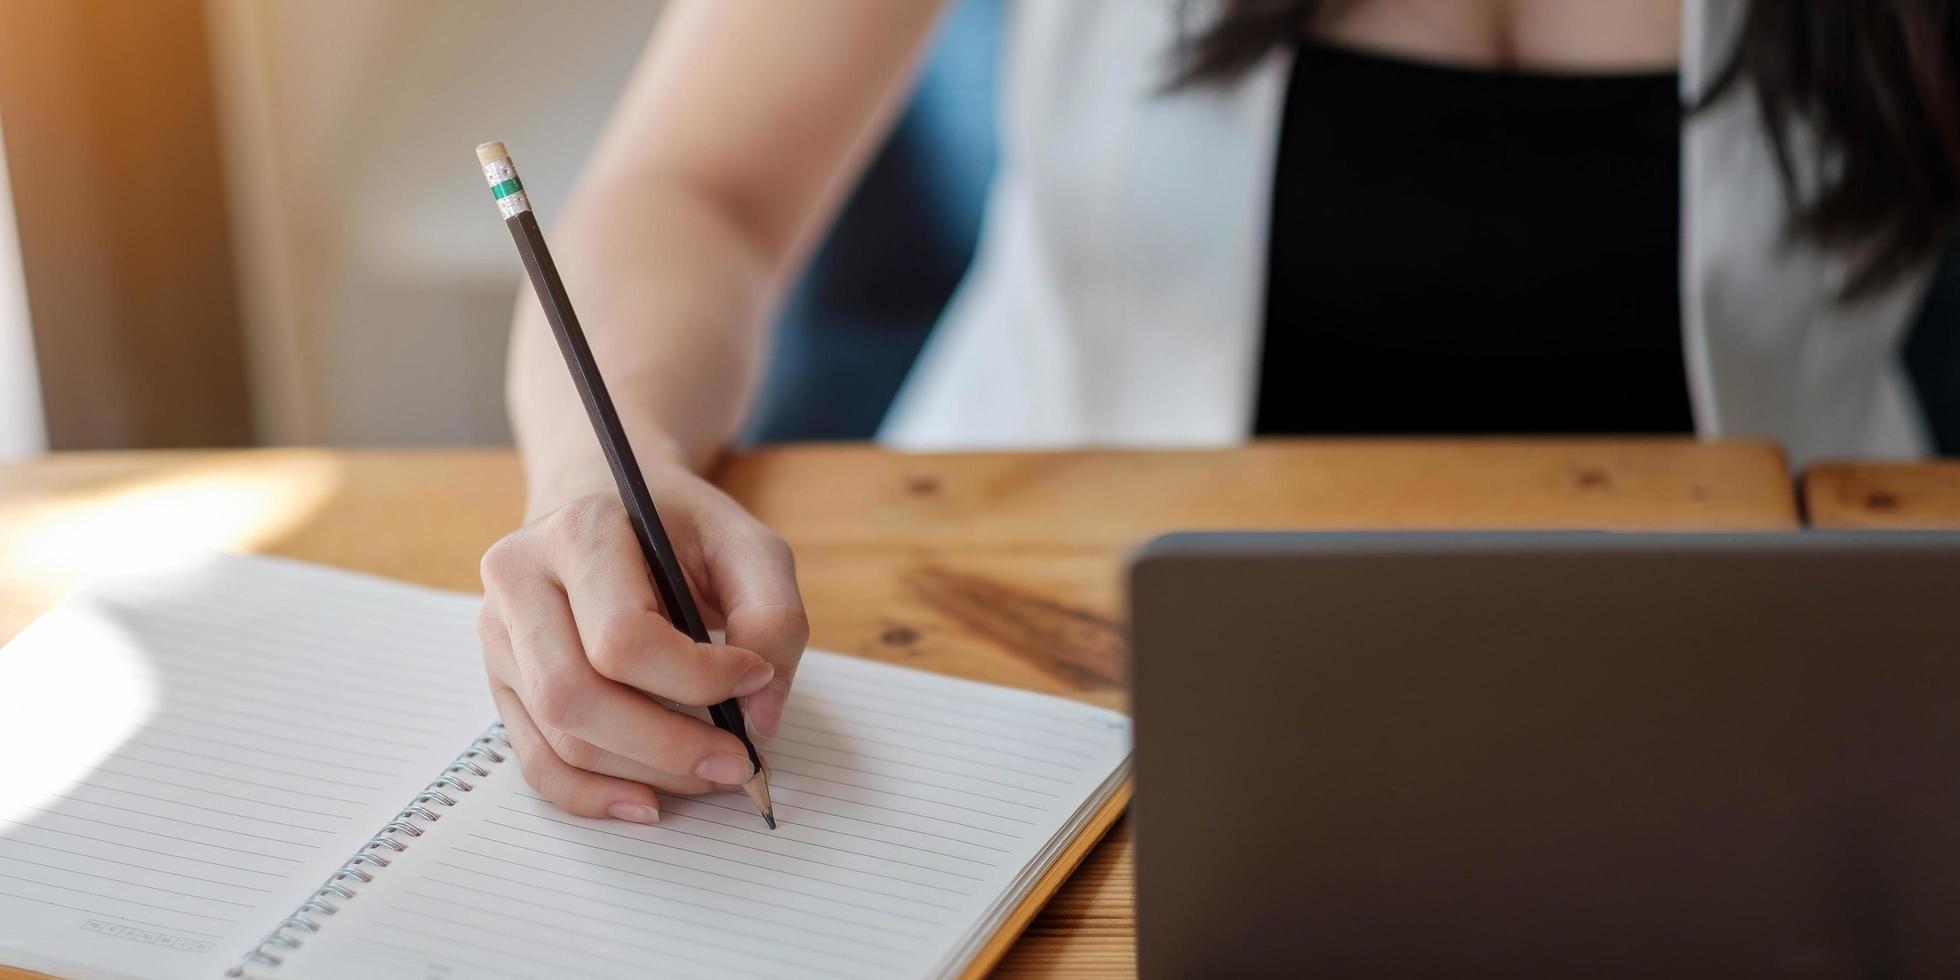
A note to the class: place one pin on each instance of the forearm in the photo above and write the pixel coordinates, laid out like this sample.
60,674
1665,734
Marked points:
731,147
674,301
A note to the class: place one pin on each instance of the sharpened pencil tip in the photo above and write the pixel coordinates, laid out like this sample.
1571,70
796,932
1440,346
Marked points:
758,789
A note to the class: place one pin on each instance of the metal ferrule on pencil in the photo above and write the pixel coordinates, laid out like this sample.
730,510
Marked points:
504,183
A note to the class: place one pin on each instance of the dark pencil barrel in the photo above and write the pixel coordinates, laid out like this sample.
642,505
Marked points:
663,566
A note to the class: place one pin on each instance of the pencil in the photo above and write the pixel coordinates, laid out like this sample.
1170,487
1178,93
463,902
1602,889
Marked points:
662,565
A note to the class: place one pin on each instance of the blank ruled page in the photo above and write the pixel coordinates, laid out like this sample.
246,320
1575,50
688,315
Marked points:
914,812
185,757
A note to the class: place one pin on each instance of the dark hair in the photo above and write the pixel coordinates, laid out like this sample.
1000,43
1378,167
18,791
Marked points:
1878,81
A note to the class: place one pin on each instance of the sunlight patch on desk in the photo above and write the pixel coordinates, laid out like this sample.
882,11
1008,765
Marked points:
57,547
60,717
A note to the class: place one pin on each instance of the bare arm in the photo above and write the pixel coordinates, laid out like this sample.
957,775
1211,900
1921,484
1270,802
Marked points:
736,137
738,134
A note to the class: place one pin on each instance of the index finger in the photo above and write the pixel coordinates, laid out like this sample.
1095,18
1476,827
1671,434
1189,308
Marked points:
623,633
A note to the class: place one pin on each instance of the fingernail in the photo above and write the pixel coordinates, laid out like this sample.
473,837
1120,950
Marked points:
766,718
634,813
755,680
724,768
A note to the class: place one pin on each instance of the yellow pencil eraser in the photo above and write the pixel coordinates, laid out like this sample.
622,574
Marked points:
488,153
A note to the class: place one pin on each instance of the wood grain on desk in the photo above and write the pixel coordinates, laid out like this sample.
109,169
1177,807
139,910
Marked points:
1918,495
1000,567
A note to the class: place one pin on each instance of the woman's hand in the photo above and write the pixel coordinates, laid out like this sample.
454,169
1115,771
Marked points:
578,647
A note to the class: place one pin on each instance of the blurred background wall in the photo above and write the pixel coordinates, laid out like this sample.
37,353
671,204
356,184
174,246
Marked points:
248,221
376,279
112,155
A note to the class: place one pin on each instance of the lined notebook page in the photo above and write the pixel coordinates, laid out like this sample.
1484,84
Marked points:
913,812
185,757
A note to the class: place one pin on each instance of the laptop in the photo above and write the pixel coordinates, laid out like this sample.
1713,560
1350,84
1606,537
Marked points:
1548,754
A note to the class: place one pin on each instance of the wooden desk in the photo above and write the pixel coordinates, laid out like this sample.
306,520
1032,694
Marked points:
1001,567
1883,495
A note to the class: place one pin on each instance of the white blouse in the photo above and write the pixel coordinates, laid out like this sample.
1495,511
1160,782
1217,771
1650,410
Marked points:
1117,296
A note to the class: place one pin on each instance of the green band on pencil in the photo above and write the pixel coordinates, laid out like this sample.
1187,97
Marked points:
501,175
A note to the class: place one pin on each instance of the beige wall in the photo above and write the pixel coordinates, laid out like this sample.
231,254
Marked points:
376,278
118,202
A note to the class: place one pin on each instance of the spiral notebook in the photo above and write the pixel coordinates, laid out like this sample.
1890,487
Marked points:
266,768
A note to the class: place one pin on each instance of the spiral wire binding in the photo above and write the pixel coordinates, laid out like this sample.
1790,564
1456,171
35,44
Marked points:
359,870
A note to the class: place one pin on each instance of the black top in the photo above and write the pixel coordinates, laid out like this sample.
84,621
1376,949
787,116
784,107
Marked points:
1455,250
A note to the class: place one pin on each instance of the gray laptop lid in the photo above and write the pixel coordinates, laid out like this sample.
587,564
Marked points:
1548,754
